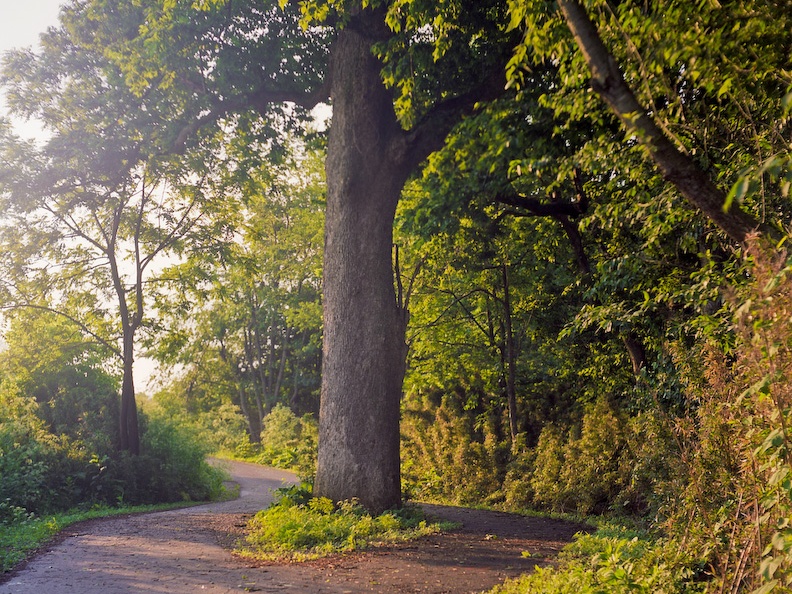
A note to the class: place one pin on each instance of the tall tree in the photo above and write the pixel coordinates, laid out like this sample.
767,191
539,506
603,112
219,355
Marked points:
88,214
50,361
249,57
249,310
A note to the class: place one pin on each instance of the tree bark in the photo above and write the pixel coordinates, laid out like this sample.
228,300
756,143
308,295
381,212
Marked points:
684,173
511,371
636,351
129,436
364,327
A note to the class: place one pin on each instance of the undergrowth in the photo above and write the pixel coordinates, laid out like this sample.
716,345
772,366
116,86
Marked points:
615,558
298,526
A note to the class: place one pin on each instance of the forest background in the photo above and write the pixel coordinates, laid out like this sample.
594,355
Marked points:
586,332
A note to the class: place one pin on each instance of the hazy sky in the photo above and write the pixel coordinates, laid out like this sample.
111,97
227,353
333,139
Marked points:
21,21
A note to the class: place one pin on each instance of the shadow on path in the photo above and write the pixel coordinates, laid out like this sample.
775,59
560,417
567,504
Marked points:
187,551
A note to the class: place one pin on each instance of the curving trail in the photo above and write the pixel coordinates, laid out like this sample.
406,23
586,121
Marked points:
177,551
187,551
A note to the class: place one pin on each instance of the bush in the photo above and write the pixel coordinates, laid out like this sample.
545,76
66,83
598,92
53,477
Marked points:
43,473
40,471
222,429
171,467
735,483
298,526
585,474
288,441
518,492
546,478
615,464
614,559
446,457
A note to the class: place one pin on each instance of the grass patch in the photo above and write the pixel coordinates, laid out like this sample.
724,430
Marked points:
298,526
26,533
615,558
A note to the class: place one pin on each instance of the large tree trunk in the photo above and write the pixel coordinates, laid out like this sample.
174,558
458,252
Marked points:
364,326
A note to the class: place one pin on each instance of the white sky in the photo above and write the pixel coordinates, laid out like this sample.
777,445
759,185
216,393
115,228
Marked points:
21,22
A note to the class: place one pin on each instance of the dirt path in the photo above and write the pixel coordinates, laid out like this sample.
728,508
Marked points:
187,551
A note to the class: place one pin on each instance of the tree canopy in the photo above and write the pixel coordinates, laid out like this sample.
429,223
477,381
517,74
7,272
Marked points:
537,222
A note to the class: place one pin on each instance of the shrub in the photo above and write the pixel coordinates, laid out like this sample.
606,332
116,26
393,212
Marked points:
594,471
518,492
288,441
614,559
735,503
447,456
171,467
587,473
40,471
299,526
222,429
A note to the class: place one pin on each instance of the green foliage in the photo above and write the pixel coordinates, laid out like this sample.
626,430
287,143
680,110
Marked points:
66,378
40,471
20,534
222,428
607,466
58,430
670,54
43,472
217,424
447,458
171,467
540,187
298,526
735,502
242,320
288,441
614,559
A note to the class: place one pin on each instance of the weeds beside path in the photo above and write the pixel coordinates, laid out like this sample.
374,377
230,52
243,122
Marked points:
188,550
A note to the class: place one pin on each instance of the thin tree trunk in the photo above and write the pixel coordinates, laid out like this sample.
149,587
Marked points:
253,435
511,390
129,436
281,367
250,359
636,351
631,341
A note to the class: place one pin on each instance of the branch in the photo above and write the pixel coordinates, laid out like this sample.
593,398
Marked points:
260,100
413,278
681,171
105,343
179,229
429,135
458,300
538,208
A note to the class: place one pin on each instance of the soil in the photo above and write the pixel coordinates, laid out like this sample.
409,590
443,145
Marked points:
189,550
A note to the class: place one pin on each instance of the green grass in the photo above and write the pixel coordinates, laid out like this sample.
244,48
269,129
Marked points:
28,533
298,526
